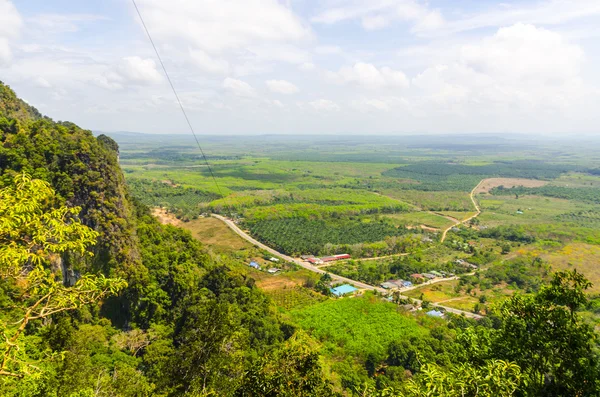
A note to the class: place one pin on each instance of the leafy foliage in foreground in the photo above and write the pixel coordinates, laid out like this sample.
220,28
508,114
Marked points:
532,345
496,379
31,234
292,370
83,171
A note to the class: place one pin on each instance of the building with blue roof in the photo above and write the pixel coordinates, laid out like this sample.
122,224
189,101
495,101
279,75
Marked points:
254,265
343,290
435,313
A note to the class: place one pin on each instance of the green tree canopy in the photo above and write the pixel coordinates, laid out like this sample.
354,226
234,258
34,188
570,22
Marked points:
33,235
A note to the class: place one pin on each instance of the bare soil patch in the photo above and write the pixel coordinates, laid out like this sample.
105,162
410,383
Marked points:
165,217
210,231
489,184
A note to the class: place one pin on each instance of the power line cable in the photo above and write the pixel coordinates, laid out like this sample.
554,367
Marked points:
178,100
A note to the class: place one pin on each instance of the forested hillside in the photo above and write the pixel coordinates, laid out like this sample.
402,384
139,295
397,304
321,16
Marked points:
97,298
182,324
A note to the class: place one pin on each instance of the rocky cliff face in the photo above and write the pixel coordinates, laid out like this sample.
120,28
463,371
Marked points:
84,171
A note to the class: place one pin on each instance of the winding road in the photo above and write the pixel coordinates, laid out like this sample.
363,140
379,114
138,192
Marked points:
477,213
335,277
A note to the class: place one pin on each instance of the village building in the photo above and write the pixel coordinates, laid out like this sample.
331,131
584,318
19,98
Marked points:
343,289
435,313
335,257
254,265
388,285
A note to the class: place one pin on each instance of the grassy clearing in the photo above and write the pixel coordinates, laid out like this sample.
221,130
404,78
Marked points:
215,234
292,298
460,215
358,325
577,180
433,201
503,210
583,257
420,218
445,294
282,281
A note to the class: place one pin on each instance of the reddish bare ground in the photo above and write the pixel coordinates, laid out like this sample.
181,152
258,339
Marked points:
166,218
489,184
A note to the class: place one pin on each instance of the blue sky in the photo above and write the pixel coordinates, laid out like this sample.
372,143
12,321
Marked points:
304,66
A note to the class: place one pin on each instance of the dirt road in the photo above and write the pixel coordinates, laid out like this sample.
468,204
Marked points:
477,213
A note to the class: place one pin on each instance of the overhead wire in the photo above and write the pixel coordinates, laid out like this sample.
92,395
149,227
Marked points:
178,100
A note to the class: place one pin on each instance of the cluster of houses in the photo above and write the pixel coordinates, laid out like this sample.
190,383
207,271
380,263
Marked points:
391,284
319,261
417,277
272,270
464,263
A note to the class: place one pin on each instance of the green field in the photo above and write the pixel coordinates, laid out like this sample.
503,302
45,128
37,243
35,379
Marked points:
421,218
323,196
359,326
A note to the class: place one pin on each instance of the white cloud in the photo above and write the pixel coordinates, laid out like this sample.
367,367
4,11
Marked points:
228,37
282,87
138,70
238,87
10,19
519,67
209,64
370,104
41,82
62,23
378,14
10,27
328,49
74,71
5,52
109,80
525,52
551,12
538,75
324,105
375,22
221,25
277,52
381,104
369,76
307,66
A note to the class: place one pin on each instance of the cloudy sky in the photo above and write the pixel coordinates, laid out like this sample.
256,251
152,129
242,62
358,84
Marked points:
308,66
